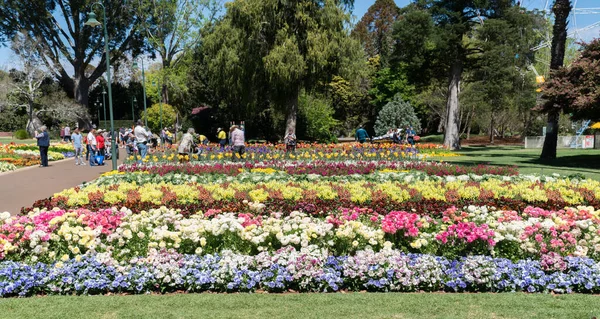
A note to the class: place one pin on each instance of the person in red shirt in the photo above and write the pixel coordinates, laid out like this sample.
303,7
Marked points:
100,142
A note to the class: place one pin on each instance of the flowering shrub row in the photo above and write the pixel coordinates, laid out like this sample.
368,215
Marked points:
322,168
318,197
307,270
122,234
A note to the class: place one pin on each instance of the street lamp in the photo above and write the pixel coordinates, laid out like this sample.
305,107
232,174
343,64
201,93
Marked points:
92,22
104,105
133,102
97,104
144,89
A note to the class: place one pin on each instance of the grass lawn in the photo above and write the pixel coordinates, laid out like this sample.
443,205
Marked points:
569,161
352,305
6,140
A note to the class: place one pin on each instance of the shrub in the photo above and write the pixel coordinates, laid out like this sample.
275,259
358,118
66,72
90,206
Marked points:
21,134
318,114
396,114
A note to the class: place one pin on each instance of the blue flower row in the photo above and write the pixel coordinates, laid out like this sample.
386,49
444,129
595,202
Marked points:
289,269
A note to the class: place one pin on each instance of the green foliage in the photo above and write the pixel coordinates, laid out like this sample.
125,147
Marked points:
21,134
169,116
263,52
396,114
318,114
12,120
388,83
59,27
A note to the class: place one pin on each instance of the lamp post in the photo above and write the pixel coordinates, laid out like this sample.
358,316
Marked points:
98,109
144,90
104,105
132,109
92,22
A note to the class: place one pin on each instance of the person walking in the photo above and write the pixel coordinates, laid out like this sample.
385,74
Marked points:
222,137
141,140
290,142
238,141
43,141
62,133
92,146
67,134
77,139
361,135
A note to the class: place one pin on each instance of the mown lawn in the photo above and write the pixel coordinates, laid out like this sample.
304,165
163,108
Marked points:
570,161
338,305
7,140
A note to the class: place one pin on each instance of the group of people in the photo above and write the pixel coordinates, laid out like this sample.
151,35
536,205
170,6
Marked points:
189,146
397,135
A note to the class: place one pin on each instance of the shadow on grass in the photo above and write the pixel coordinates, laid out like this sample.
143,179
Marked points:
486,148
575,161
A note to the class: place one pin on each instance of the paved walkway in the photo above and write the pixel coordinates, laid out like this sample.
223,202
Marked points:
23,187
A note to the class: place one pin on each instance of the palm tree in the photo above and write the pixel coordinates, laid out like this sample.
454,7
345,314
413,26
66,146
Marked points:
561,10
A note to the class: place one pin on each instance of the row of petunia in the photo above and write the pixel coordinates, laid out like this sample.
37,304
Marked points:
262,175
322,196
307,270
533,233
322,168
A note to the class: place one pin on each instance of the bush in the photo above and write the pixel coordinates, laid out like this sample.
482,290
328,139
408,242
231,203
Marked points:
396,114
21,134
169,116
318,114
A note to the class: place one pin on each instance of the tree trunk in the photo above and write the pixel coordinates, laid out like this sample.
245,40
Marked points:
33,122
291,107
492,129
561,9
452,134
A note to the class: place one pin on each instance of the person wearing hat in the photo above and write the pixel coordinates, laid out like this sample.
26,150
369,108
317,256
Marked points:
222,137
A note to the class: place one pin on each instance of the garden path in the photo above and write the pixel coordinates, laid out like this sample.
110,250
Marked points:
22,187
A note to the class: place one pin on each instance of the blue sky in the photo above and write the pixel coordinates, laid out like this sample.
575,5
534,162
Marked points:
361,6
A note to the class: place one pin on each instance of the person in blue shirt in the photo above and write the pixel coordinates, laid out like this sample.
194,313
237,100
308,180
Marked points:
43,141
410,135
77,139
361,134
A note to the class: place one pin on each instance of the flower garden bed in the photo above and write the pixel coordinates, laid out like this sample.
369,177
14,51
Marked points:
307,225
307,153
21,155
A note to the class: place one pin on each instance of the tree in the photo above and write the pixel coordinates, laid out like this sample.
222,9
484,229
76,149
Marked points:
396,114
66,44
575,89
374,30
561,9
262,53
29,79
435,34
169,116
172,28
